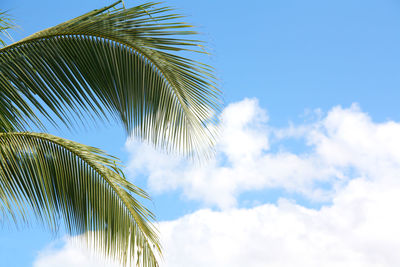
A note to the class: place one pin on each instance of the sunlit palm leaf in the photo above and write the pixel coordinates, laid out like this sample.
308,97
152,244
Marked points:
61,180
116,60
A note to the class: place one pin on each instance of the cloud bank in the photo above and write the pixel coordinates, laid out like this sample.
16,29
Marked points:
343,145
345,158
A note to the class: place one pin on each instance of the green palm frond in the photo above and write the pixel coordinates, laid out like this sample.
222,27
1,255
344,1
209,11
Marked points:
118,61
60,180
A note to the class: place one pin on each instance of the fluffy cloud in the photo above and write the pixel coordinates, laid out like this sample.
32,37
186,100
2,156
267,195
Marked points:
349,159
360,229
341,146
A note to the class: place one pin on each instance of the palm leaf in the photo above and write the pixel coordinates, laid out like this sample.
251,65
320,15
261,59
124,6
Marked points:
60,180
116,61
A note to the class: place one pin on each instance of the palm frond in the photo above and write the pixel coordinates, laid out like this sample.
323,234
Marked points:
118,61
60,180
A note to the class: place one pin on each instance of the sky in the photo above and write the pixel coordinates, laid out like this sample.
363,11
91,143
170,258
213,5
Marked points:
307,167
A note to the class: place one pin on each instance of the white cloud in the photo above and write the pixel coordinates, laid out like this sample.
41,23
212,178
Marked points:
342,145
359,158
360,229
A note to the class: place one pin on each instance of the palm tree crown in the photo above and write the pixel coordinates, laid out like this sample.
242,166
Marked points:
117,63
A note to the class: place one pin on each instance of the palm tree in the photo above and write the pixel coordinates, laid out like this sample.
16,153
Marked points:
114,63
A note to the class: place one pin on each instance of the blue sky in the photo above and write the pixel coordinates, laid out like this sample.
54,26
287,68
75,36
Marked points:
292,71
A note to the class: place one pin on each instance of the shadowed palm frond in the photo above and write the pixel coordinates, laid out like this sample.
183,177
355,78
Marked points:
60,180
116,61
